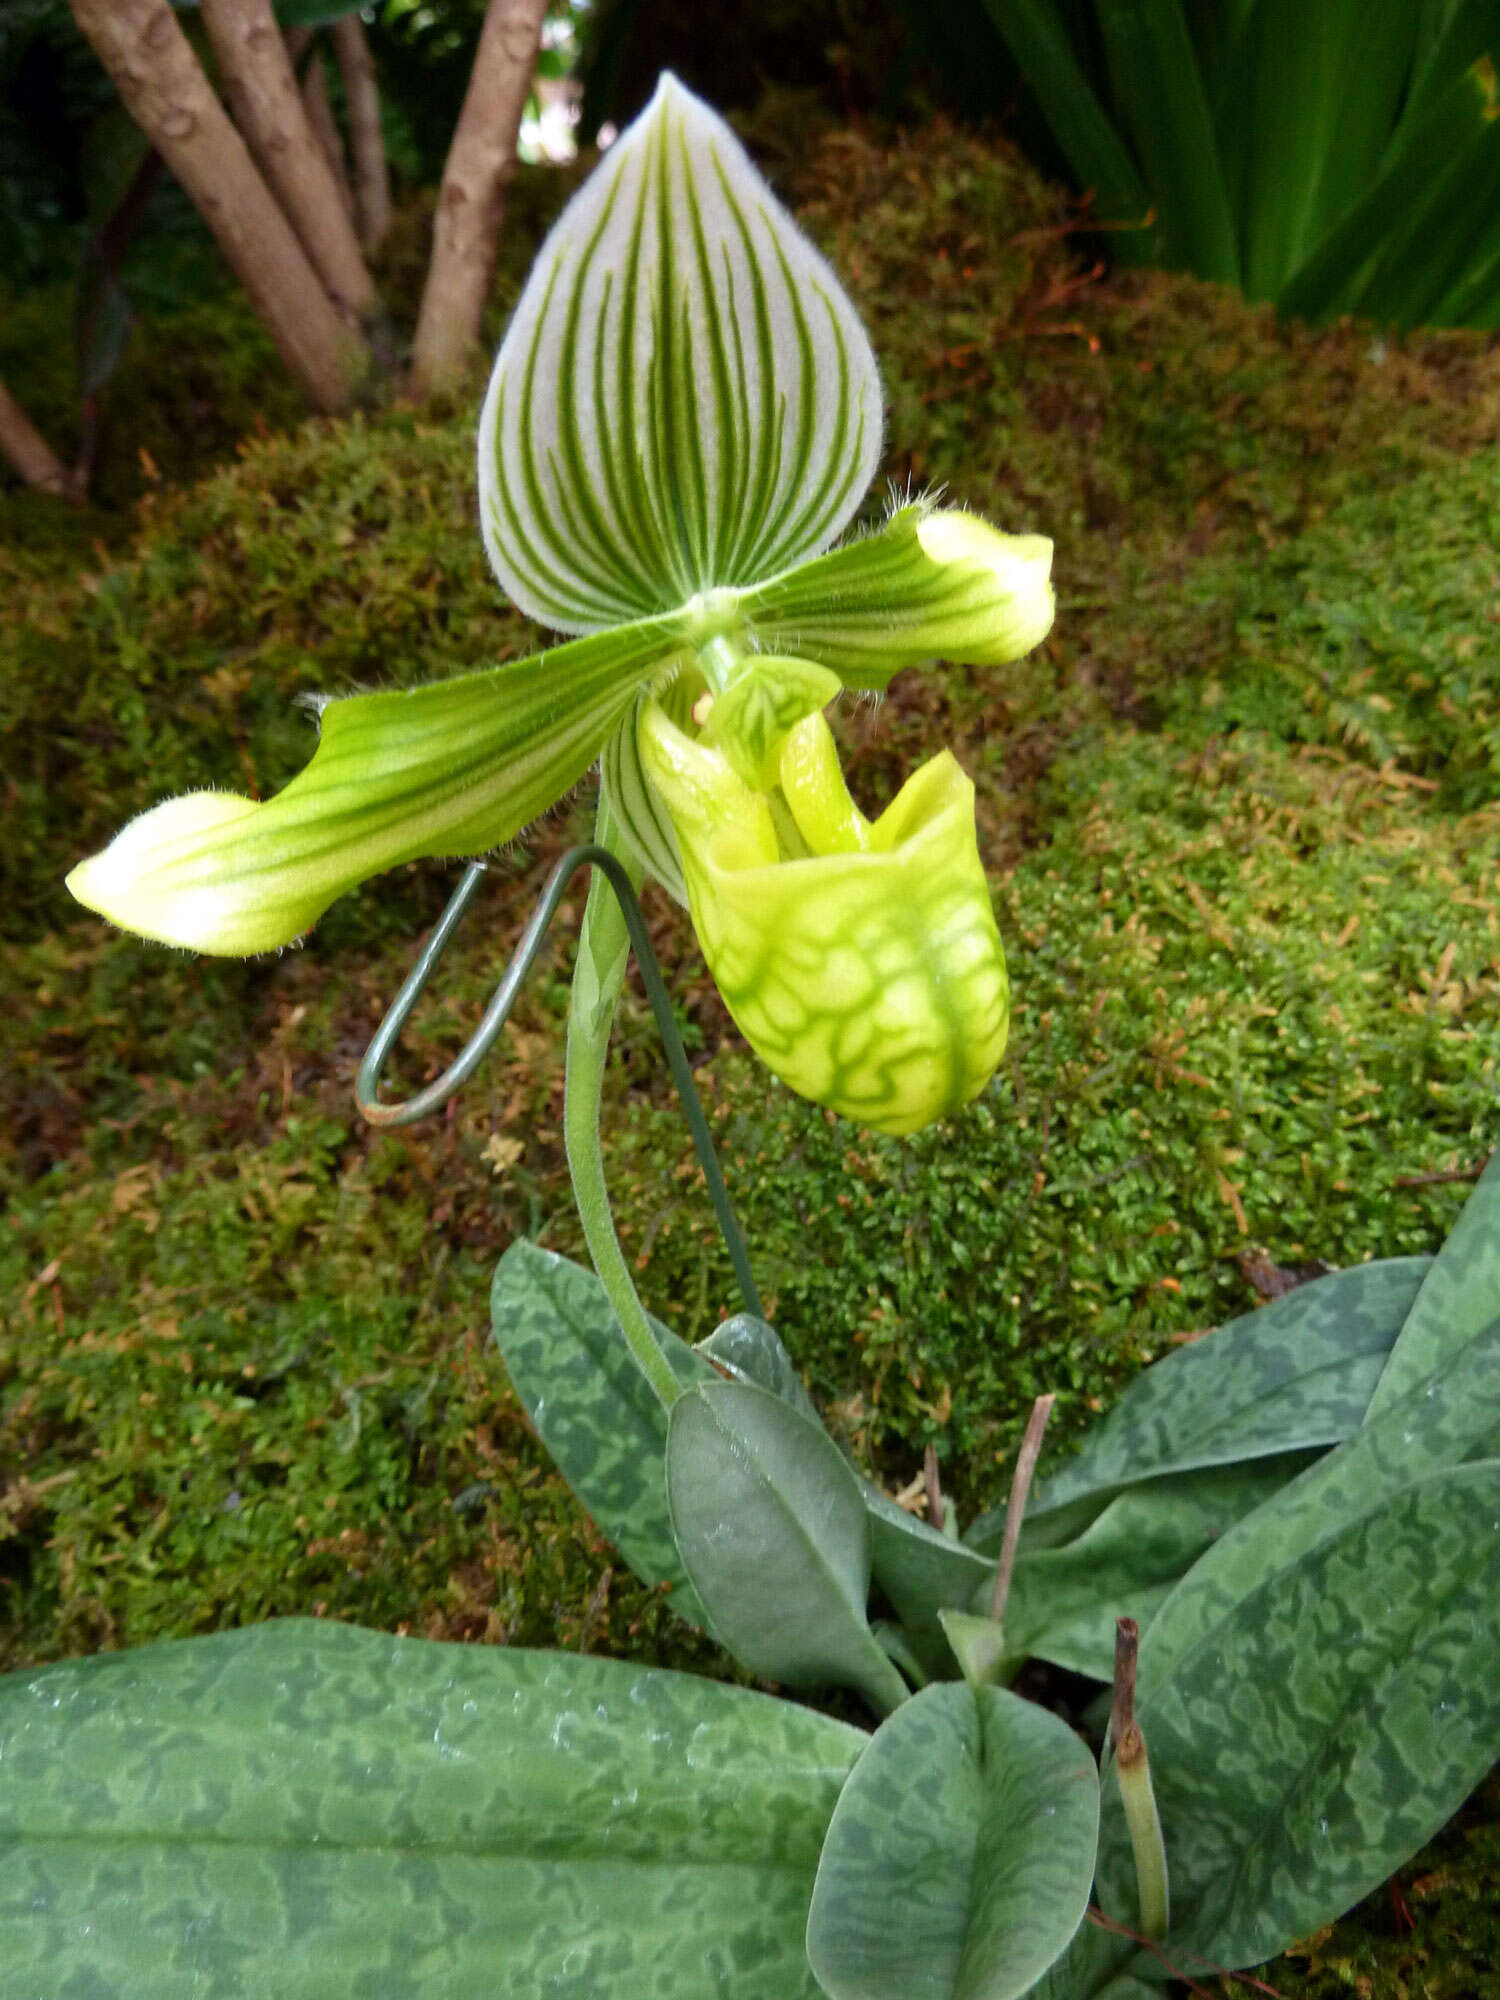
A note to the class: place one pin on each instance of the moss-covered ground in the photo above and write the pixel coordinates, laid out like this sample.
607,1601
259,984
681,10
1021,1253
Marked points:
1241,812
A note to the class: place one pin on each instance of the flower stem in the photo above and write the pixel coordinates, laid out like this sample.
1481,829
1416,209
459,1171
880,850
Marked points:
598,975
1133,1775
1020,1487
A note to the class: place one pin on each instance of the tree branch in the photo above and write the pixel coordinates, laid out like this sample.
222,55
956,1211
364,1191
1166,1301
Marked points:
481,162
325,127
258,81
165,90
31,455
372,191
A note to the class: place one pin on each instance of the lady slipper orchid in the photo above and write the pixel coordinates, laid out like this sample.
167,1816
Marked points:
684,415
860,960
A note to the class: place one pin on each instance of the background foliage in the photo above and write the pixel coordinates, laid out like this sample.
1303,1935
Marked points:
1338,159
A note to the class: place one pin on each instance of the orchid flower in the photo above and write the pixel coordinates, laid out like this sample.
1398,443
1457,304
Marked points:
684,416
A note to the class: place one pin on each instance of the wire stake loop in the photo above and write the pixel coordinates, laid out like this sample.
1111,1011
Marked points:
463,1066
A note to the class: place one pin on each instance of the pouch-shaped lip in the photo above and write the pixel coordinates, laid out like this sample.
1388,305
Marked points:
921,814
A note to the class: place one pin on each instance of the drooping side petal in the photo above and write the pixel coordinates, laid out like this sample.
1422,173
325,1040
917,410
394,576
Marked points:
685,398
930,584
449,769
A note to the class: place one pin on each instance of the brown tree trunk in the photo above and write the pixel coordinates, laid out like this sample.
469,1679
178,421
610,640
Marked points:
325,127
372,188
162,83
257,79
481,161
31,455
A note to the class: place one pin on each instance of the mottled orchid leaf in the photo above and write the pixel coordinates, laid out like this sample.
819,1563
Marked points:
1291,1375
773,1533
752,1351
1323,1725
1063,1602
920,1570
303,1811
1460,1295
592,1407
958,1862
1432,1429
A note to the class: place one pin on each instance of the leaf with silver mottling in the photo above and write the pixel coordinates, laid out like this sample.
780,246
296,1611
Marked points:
1460,1295
592,1407
958,1862
1293,1374
303,1811
1321,1730
1064,1602
1431,1430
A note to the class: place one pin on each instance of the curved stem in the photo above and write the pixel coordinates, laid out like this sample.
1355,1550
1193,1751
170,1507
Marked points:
603,952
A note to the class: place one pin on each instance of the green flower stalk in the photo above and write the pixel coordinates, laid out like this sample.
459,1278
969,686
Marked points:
683,417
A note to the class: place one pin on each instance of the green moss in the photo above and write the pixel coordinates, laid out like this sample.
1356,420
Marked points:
1251,916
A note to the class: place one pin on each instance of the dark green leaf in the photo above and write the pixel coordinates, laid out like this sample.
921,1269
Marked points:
1459,1298
1414,173
1294,1374
773,1533
1323,1728
1063,1602
1093,147
302,1811
1161,98
1430,247
592,1407
751,1350
958,1862
1431,1430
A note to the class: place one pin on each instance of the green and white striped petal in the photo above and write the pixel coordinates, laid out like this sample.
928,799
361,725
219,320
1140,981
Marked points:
685,399
638,810
931,584
445,770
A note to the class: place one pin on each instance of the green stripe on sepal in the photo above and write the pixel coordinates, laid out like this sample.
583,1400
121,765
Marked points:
638,811
445,770
930,584
685,398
